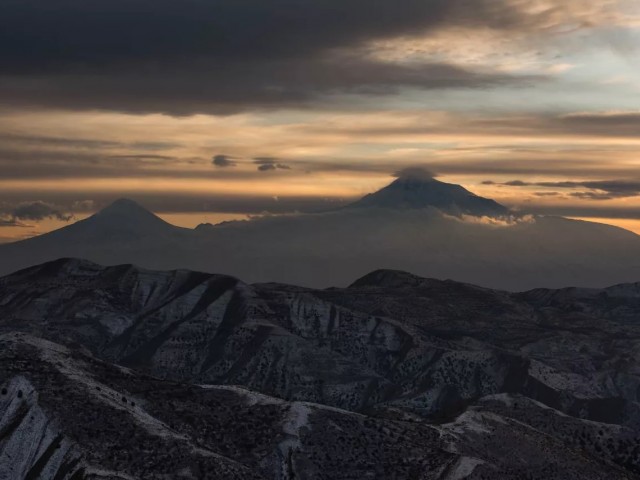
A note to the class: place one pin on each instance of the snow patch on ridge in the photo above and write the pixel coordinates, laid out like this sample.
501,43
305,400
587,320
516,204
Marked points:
297,418
463,468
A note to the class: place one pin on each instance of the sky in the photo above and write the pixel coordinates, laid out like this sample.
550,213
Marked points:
209,110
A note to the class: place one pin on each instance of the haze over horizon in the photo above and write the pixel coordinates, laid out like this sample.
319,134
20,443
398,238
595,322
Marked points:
229,110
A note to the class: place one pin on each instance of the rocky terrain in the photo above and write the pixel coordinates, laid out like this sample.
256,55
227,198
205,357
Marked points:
121,372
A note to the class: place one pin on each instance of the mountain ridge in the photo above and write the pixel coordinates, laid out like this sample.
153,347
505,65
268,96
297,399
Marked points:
396,376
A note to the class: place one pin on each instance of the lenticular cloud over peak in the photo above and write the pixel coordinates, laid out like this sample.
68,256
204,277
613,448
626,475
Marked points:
415,173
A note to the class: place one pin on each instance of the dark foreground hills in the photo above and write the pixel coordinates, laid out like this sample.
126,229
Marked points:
417,224
125,373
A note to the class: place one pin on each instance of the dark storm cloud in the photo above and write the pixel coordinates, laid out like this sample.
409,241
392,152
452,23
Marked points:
223,55
223,161
202,88
598,190
126,31
69,33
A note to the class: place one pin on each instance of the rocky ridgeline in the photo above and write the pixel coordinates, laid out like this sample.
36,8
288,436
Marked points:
193,375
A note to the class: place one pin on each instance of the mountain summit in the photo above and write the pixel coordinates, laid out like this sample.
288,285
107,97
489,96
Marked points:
127,214
124,220
124,206
417,188
121,221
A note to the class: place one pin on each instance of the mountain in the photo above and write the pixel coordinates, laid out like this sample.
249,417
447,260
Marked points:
123,228
415,224
122,221
127,218
416,188
180,374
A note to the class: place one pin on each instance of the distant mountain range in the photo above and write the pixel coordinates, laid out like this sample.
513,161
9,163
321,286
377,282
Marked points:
416,224
121,372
